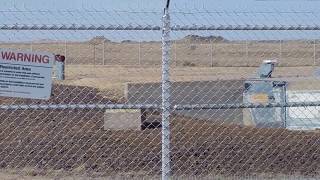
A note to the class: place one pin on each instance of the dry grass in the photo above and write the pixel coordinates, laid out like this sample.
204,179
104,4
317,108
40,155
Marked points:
122,60
191,60
113,78
184,53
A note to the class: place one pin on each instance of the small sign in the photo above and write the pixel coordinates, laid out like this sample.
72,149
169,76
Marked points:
25,74
259,98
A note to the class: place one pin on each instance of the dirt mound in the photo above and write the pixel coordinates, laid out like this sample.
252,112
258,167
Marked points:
63,94
98,40
74,141
207,39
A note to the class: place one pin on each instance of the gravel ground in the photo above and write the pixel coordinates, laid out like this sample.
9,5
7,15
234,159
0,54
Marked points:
73,141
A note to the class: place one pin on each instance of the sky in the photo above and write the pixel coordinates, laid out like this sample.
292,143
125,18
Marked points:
298,5
148,12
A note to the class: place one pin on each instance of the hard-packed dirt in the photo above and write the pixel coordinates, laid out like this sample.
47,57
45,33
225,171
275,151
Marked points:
73,140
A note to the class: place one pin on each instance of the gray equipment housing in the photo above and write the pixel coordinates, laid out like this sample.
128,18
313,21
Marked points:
271,91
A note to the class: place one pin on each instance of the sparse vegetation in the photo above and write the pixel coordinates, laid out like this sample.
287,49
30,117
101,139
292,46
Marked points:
80,141
194,49
189,64
204,39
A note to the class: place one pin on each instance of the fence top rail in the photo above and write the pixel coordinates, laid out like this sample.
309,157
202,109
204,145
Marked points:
155,106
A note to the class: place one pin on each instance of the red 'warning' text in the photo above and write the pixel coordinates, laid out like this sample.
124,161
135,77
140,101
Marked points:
24,57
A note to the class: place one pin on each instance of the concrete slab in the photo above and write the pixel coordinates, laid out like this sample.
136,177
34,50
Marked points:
122,119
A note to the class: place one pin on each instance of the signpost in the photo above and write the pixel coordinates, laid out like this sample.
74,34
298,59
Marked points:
25,74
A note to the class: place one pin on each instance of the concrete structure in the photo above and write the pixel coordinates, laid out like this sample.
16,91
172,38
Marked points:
229,91
195,92
303,118
122,119
264,91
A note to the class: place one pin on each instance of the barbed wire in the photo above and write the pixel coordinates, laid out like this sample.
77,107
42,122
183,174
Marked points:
75,27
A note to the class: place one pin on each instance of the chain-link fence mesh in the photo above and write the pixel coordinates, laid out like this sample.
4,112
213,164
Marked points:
232,114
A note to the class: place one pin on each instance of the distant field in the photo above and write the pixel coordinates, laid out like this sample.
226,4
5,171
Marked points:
113,78
109,65
38,143
191,60
185,52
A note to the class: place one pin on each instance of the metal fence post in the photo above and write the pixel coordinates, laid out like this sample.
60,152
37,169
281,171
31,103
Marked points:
65,49
314,53
94,54
139,53
247,50
211,53
60,68
103,53
175,53
166,109
280,50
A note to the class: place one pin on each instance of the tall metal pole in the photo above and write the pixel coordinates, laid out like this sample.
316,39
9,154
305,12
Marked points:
166,109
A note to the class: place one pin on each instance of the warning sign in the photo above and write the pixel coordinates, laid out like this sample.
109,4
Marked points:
25,74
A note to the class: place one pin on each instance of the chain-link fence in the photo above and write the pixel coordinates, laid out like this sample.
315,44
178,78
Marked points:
204,51
237,96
